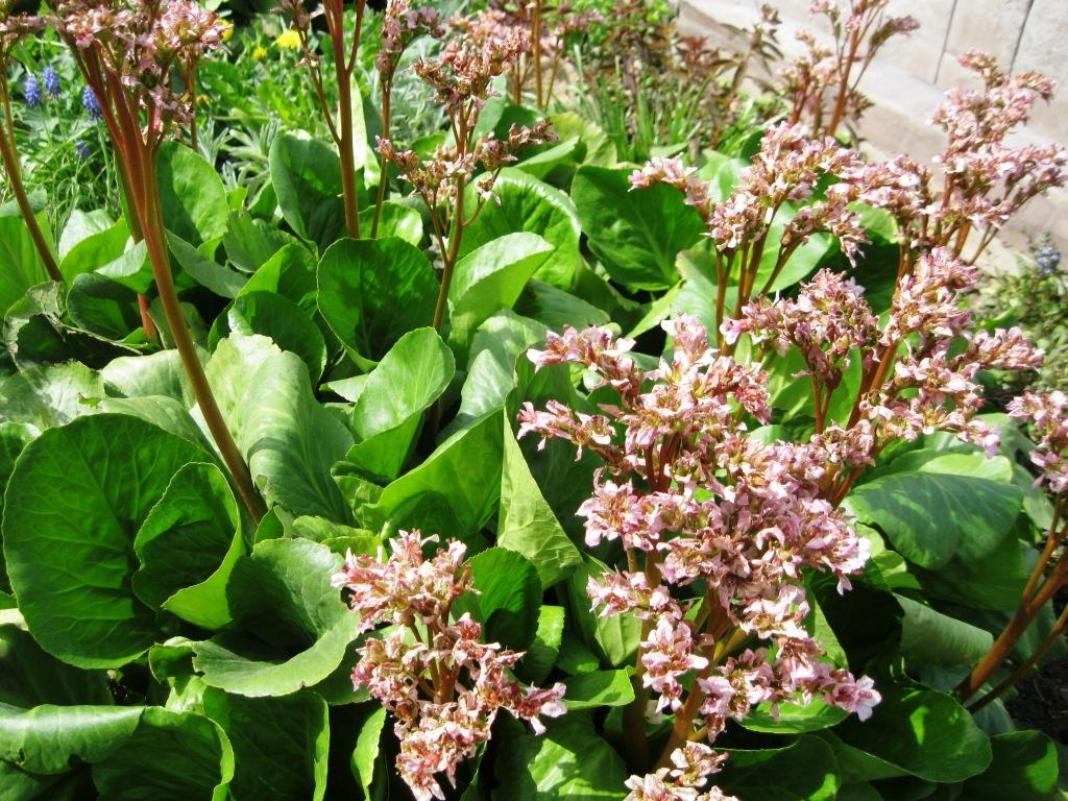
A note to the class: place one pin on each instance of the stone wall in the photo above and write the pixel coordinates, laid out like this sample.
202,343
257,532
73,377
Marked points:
908,80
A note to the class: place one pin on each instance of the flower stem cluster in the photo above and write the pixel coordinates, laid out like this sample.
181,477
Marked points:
823,83
128,52
757,230
482,49
984,179
401,25
918,371
717,527
345,57
431,670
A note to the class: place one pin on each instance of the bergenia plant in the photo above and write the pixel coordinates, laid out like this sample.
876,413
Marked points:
345,52
717,527
128,53
482,49
16,25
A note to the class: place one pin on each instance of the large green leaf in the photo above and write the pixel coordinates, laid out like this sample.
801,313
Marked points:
290,441
545,647
523,203
526,523
203,269
49,396
1025,768
372,292
192,194
280,744
292,626
90,240
276,316
599,688
188,546
30,677
250,243
636,233
570,760
289,272
47,739
930,637
400,221
923,733
933,505
803,771
507,597
453,492
490,279
491,363
388,415
72,510
306,176
103,307
20,263
170,756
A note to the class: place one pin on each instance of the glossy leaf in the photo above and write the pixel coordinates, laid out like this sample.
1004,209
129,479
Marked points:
637,234
75,502
934,506
188,546
526,523
280,744
490,279
372,292
388,415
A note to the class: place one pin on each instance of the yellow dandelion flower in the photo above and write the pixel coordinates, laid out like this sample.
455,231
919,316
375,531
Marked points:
288,40
259,53
228,31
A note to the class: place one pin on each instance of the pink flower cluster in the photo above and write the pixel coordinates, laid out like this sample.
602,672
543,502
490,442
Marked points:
443,685
699,502
401,25
785,171
985,180
691,766
141,44
1047,415
916,379
15,25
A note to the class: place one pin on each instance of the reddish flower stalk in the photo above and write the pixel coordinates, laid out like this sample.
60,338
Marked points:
126,52
484,49
1047,416
345,57
825,80
13,27
430,669
695,500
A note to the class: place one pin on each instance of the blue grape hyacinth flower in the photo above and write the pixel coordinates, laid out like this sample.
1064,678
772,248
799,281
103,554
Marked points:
92,107
31,90
52,85
83,150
